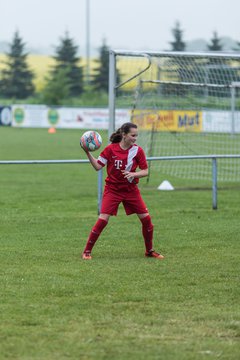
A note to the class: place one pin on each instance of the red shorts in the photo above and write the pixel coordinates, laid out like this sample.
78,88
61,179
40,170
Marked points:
131,200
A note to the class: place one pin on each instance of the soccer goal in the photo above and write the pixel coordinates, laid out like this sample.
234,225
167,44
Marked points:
184,104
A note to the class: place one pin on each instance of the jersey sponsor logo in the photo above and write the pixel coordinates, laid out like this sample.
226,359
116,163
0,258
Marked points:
118,164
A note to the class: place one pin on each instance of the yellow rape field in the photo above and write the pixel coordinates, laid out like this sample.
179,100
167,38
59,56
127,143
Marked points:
41,65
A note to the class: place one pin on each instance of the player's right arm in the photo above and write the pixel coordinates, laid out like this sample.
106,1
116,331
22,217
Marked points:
102,159
93,161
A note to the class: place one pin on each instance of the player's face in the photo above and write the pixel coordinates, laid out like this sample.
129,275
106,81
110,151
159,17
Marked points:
131,137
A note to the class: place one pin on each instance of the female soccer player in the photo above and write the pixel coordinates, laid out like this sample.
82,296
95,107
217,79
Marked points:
122,157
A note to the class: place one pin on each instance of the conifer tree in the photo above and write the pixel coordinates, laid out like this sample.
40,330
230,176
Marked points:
178,44
215,68
215,44
57,89
66,59
101,76
16,79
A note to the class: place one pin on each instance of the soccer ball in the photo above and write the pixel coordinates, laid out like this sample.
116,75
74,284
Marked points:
91,141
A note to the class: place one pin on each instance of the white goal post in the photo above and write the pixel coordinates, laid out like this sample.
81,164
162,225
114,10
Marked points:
185,104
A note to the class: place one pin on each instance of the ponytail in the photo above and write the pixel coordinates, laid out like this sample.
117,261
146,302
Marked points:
116,137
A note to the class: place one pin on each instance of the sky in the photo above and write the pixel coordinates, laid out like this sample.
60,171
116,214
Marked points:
124,24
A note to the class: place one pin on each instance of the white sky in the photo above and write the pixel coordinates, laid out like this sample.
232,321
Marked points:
125,24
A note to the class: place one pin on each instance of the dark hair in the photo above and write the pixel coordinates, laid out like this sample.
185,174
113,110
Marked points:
116,137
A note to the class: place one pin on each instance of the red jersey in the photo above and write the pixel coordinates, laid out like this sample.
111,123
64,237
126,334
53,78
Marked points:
118,159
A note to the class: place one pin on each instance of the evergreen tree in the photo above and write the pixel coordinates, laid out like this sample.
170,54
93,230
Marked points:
57,89
101,77
215,44
66,58
17,79
218,71
178,44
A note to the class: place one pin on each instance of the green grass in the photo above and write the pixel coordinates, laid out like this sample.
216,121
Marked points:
120,305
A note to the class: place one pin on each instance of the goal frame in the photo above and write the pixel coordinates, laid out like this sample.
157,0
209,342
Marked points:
113,85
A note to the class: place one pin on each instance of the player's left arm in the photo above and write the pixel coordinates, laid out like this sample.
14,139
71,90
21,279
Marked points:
142,164
137,174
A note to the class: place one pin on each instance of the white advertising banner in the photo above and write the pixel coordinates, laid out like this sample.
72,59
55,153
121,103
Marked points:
221,122
64,117
42,116
29,116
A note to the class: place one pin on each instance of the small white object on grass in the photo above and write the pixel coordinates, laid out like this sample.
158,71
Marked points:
165,185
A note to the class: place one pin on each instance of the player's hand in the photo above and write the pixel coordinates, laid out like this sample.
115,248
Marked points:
83,148
128,174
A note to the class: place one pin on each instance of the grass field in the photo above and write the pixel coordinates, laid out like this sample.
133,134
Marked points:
120,305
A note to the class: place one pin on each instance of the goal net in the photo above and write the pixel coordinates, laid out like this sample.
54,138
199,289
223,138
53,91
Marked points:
184,104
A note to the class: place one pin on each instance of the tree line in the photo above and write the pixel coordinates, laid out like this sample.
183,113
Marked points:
178,44
66,79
